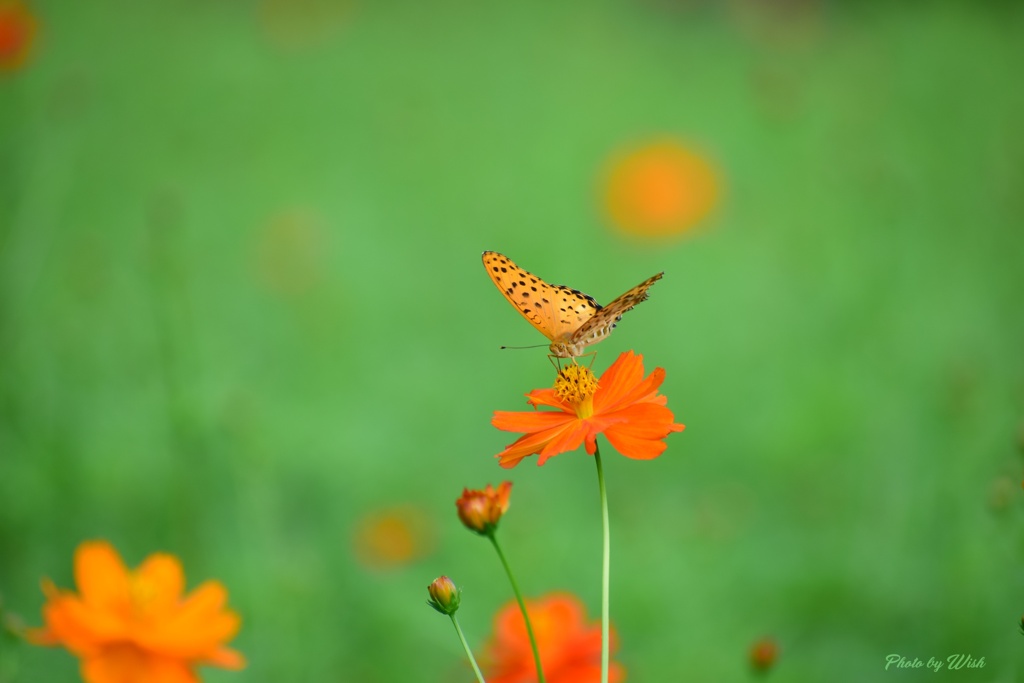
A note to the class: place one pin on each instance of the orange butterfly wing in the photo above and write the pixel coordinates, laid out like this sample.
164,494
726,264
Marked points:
601,324
556,310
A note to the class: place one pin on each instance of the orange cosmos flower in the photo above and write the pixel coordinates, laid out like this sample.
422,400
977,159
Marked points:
622,405
570,648
136,626
17,30
661,189
481,510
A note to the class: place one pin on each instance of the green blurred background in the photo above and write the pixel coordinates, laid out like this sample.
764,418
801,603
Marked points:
243,315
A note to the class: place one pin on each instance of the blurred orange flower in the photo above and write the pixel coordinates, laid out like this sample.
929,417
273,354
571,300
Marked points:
480,510
298,24
393,537
17,31
135,626
661,189
290,251
570,648
622,405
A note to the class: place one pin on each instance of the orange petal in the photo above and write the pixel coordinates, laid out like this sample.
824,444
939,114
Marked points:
528,445
503,494
78,627
552,616
226,658
528,423
624,374
627,385
201,643
547,397
645,391
199,626
126,663
641,435
557,617
164,581
649,420
637,448
567,440
523,447
101,576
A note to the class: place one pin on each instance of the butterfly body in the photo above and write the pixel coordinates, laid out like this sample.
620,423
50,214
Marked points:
570,319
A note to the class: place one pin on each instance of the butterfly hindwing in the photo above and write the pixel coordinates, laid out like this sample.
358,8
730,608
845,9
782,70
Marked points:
603,321
556,310
570,319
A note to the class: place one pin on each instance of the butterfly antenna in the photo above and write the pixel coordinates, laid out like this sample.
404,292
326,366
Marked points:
535,346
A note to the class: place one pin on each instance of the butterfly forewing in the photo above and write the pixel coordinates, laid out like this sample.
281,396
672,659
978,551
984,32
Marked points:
603,321
557,311
567,317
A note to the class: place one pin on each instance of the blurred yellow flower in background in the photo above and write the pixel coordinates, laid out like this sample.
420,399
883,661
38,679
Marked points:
290,251
392,537
661,189
299,24
135,626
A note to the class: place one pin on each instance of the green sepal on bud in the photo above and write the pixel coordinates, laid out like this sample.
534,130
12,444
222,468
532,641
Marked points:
444,596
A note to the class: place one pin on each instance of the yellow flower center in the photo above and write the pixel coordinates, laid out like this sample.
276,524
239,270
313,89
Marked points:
576,384
142,593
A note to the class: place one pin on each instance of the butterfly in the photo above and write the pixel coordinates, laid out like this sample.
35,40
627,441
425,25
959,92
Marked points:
569,318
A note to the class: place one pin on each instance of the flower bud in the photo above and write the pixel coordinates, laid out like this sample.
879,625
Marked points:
763,654
444,596
481,510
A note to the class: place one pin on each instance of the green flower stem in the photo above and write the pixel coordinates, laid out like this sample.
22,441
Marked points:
606,560
469,653
522,607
